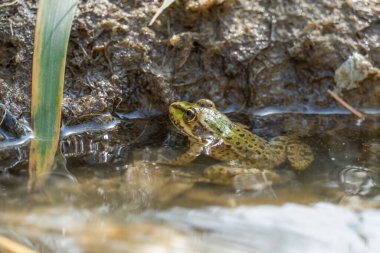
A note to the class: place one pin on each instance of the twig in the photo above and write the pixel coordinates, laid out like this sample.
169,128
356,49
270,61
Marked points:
13,246
345,104
8,4
164,5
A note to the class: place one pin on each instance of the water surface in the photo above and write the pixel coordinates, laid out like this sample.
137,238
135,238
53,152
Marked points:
116,197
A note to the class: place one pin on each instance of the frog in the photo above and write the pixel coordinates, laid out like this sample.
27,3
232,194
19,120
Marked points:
212,132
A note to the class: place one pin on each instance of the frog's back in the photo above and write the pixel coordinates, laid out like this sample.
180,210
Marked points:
244,146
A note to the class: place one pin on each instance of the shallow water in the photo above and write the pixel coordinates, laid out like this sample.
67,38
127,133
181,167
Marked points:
115,197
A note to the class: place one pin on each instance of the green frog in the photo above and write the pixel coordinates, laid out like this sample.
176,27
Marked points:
212,132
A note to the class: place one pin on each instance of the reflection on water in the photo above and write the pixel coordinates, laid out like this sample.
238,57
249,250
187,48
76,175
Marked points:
118,198
358,180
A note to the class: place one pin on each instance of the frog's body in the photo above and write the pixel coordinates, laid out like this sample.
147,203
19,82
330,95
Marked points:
211,131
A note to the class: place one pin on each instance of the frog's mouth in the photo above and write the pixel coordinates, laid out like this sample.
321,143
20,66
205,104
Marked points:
176,112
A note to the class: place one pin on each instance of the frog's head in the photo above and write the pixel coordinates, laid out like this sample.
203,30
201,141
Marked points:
197,120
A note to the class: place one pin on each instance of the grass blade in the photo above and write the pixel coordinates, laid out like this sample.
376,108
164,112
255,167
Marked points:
54,20
164,5
13,247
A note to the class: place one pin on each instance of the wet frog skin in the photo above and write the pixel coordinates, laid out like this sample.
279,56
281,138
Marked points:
211,131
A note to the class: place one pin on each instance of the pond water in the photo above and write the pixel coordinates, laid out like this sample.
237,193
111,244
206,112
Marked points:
114,195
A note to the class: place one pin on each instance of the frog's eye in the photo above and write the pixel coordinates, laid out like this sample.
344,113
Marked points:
190,115
206,103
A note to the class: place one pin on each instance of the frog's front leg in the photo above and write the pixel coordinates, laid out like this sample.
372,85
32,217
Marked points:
193,152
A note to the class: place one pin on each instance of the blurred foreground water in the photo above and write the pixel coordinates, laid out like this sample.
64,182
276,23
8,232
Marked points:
289,228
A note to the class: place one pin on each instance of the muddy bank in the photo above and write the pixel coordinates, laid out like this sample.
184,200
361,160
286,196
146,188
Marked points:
238,53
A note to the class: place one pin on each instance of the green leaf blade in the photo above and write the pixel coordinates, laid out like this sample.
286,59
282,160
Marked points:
54,20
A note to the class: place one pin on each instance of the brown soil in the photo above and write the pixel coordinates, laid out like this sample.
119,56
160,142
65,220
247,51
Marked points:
239,53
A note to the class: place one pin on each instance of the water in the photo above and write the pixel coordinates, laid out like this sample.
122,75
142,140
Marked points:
117,198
